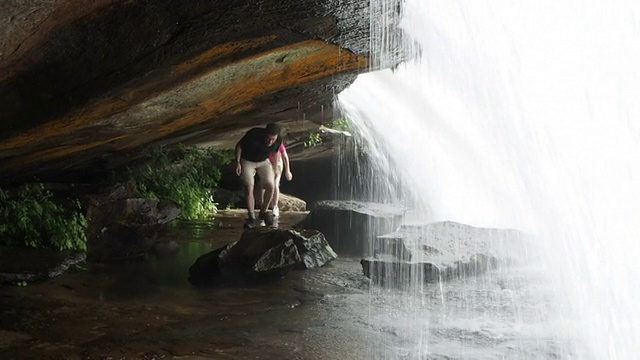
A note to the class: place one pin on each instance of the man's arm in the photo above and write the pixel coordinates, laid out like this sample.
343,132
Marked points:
238,151
238,157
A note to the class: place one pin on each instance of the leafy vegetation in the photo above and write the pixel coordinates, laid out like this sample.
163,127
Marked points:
315,138
341,124
186,176
312,140
34,219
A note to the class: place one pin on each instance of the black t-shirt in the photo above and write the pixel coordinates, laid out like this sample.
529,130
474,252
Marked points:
254,145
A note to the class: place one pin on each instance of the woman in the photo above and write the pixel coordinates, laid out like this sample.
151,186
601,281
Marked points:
279,161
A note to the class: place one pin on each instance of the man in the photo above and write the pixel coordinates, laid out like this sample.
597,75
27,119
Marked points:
252,156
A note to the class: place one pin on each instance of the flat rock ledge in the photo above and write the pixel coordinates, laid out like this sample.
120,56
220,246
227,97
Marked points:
261,255
32,265
439,251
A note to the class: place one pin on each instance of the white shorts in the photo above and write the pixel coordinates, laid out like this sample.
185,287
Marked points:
277,162
277,170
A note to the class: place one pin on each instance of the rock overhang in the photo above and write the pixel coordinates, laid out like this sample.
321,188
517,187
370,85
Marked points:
85,86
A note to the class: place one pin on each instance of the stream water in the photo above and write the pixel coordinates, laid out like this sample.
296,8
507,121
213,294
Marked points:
148,310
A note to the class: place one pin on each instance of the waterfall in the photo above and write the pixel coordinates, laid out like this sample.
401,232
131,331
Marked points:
521,115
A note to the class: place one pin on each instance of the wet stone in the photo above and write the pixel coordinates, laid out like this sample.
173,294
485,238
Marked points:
261,255
30,265
350,225
440,251
126,228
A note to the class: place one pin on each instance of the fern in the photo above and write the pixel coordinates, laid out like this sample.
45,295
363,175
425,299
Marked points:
186,177
33,219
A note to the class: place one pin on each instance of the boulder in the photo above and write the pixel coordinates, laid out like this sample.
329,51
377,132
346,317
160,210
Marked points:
235,199
261,254
313,247
439,251
393,272
349,226
285,202
291,203
126,228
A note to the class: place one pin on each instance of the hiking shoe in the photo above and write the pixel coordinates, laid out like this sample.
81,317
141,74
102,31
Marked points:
263,219
250,223
276,211
267,219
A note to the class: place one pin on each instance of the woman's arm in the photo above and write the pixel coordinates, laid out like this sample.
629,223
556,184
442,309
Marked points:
285,162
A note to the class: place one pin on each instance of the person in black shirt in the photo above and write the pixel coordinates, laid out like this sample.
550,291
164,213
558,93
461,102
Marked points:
252,156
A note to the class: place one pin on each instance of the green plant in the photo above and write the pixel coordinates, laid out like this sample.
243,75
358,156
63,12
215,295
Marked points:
34,219
233,199
341,124
186,176
312,140
315,138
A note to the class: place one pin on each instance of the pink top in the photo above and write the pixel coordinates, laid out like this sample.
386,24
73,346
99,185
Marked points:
277,156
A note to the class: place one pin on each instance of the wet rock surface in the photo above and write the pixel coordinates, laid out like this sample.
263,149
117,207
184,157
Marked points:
291,203
145,310
261,255
236,199
31,265
126,228
148,310
349,225
440,251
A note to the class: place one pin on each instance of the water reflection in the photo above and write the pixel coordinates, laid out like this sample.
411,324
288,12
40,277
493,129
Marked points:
167,266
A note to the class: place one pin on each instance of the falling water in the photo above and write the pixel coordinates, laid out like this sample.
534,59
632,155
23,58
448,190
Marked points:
520,115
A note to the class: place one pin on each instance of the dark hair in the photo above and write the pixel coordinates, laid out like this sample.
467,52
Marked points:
273,129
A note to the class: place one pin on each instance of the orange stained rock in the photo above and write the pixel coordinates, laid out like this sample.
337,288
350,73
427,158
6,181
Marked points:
103,108
200,96
257,76
52,153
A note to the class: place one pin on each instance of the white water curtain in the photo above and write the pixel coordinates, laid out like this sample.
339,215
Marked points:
526,114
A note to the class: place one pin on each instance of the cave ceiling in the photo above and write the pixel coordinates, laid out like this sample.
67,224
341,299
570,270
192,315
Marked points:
87,86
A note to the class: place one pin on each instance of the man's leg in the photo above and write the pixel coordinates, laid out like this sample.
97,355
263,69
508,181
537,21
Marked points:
265,171
258,193
251,202
247,176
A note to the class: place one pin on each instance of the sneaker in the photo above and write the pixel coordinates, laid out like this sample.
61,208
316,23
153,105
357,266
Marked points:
276,211
265,219
250,223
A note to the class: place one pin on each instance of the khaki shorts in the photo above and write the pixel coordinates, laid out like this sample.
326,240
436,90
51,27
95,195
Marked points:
264,169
